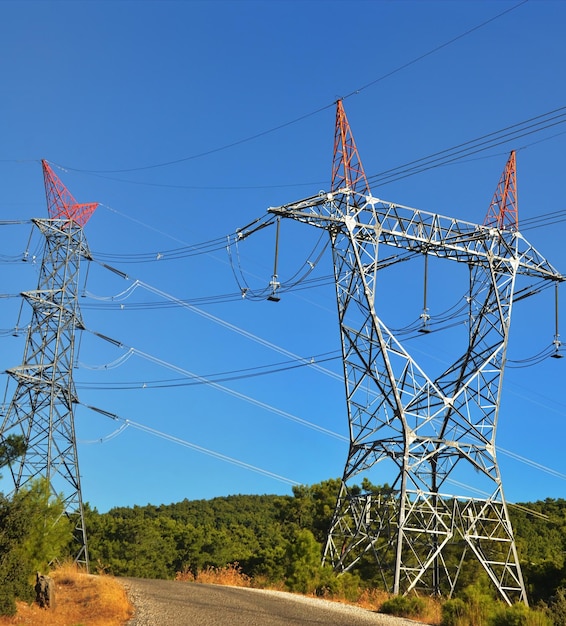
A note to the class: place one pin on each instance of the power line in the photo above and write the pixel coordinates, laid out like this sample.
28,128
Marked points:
241,396
187,444
227,459
312,113
205,379
437,159
218,320
434,50
443,157
463,150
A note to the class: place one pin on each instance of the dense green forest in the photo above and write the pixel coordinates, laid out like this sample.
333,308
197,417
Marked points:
254,531
259,533
271,540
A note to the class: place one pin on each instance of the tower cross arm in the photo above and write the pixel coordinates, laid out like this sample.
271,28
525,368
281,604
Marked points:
371,219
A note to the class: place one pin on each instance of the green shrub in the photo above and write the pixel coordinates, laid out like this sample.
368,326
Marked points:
557,607
454,613
15,569
345,586
403,606
515,615
480,604
519,615
303,563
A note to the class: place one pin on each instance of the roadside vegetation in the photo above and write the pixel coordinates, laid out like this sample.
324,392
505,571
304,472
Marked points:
270,542
276,542
80,600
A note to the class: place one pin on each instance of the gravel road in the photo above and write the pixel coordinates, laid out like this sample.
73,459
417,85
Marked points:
173,603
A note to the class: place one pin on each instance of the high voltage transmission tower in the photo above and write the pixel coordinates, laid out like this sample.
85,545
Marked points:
42,408
421,432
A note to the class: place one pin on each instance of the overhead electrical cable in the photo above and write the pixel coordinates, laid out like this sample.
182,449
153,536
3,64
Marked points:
215,385
299,277
225,458
192,446
442,324
221,322
475,146
447,156
437,49
228,241
214,245
106,438
109,366
188,250
526,461
486,495
231,460
434,50
251,372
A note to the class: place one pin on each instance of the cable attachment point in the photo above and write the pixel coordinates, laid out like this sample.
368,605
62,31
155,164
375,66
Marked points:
557,343
425,317
557,346
274,283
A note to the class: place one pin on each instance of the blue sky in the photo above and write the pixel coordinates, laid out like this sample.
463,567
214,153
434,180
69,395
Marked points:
186,121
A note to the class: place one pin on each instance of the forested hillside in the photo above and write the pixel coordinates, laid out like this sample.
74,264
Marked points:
261,534
254,531
276,541
540,532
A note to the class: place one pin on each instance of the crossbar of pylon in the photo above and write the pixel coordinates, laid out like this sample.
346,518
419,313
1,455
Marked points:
60,202
503,212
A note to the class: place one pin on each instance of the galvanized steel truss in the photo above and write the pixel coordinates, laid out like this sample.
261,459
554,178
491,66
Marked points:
42,407
418,532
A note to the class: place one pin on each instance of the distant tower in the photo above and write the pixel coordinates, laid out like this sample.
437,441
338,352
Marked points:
424,435
42,407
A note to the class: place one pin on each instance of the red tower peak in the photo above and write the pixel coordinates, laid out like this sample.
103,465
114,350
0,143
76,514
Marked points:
347,169
60,202
503,212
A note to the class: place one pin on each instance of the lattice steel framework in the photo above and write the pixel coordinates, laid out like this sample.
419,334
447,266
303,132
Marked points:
42,408
503,212
425,431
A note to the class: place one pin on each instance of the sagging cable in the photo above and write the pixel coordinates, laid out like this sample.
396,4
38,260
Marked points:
193,446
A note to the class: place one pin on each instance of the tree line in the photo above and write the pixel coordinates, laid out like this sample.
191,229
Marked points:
272,539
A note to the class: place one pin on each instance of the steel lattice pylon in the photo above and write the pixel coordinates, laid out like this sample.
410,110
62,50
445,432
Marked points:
42,408
426,431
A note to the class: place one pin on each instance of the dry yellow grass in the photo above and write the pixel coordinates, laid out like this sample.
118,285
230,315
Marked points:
80,600
230,575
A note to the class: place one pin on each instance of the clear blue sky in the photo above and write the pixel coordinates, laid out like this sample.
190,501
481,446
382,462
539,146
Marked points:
237,99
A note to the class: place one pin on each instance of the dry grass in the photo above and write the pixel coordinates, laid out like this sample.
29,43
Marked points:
230,575
433,612
80,600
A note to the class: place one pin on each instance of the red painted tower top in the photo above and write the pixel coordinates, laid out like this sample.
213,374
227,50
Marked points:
60,202
347,169
503,212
